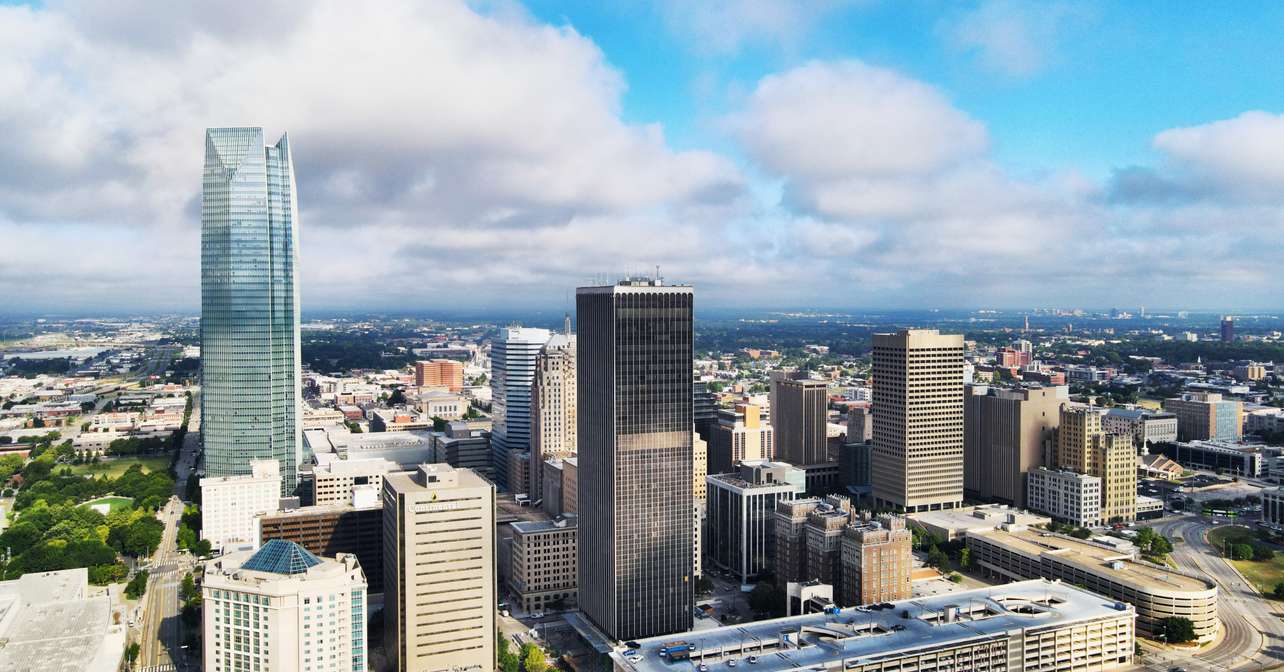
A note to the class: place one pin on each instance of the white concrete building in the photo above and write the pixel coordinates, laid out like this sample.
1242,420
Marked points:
1065,495
281,609
333,479
49,621
230,503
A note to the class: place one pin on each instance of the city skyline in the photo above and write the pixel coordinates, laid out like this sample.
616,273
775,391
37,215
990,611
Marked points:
976,126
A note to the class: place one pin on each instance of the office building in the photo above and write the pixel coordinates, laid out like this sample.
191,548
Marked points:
1227,456
333,480
544,564
570,485
1030,625
699,500
1067,496
444,405
823,534
1083,446
250,356
740,435
51,621
740,516
230,503
1206,417
789,527
398,420
1008,432
855,464
439,570
860,424
1250,372
446,373
1273,506
635,416
512,370
1156,592
465,447
552,406
281,609
799,420
519,472
704,412
353,528
1146,427
1228,329
918,420
877,562
955,524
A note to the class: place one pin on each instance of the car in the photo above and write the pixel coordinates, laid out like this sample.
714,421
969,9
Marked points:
635,659
703,668
731,663
538,614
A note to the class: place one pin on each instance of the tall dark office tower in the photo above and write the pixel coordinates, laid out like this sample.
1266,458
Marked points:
635,460
249,305
799,423
1228,329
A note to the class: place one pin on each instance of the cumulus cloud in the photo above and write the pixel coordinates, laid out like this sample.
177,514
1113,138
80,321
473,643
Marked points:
1015,39
408,120
1239,155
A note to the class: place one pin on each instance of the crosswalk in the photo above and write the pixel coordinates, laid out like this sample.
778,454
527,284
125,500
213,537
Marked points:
158,668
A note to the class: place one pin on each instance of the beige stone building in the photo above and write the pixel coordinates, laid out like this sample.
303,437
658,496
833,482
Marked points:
740,435
877,562
918,420
1084,447
439,570
1007,434
544,564
553,402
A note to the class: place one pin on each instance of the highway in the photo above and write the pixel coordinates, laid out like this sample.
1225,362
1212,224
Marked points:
1253,637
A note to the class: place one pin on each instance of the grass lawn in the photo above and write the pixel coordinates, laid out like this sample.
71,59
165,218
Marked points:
1264,575
113,502
117,466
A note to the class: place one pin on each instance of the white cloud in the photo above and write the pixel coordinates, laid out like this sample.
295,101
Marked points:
1239,155
726,26
1013,38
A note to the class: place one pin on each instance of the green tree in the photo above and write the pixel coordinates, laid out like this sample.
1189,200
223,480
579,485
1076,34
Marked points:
131,652
508,661
1177,629
533,658
187,590
1262,552
767,598
965,557
397,397
1279,591
1161,546
936,557
137,586
1241,551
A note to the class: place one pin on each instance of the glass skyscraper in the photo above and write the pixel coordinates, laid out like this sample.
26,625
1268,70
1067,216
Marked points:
635,457
249,305
512,370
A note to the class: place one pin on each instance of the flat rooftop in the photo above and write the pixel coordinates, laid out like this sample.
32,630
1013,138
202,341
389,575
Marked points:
859,636
1094,558
976,517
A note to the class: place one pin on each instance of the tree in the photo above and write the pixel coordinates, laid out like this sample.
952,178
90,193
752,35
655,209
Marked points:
1081,533
936,557
703,585
397,397
187,590
965,557
1262,552
137,586
131,652
767,598
1177,629
533,658
1279,591
1161,546
508,661
1241,551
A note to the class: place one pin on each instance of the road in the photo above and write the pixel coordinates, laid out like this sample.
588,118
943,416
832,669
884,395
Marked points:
161,629
1253,637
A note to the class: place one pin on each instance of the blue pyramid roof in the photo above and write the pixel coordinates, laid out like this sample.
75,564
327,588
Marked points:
281,557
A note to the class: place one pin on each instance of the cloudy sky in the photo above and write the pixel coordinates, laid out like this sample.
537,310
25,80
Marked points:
774,154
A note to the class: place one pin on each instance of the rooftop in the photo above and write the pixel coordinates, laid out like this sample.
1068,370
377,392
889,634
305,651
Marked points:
281,557
857,636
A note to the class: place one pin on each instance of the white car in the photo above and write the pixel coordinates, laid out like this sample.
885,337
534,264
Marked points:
635,659
731,663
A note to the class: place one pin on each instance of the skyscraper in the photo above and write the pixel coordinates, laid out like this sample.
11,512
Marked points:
552,406
512,370
249,305
1008,434
799,421
1228,329
918,420
635,457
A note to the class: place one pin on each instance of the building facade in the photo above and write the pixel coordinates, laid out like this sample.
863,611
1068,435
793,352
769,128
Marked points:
552,407
1084,447
230,503
740,435
799,420
789,526
634,356
282,608
1008,433
1206,417
331,530
512,370
1146,427
918,420
1065,495
250,358
544,563
740,515
877,562
446,373
439,570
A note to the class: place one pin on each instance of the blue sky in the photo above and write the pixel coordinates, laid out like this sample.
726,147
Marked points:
492,154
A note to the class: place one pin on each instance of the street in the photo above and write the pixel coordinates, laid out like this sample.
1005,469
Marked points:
1253,634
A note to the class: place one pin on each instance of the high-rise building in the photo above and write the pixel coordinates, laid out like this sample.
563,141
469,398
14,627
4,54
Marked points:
789,526
281,608
877,562
439,570
739,435
552,407
824,533
741,515
230,503
860,424
1228,329
512,370
699,500
446,373
1007,433
250,357
918,420
635,502
705,409
1206,416
355,528
799,421
1083,446
544,559
1065,495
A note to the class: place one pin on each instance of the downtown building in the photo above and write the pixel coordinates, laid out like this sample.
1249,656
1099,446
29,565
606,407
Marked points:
512,370
447,373
741,512
740,435
250,360
799,421
281,609
1083,446
877,562
439,570
1008,432
1146,427
634,352
918,420
553,407
1206,416
229,505
1065,495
